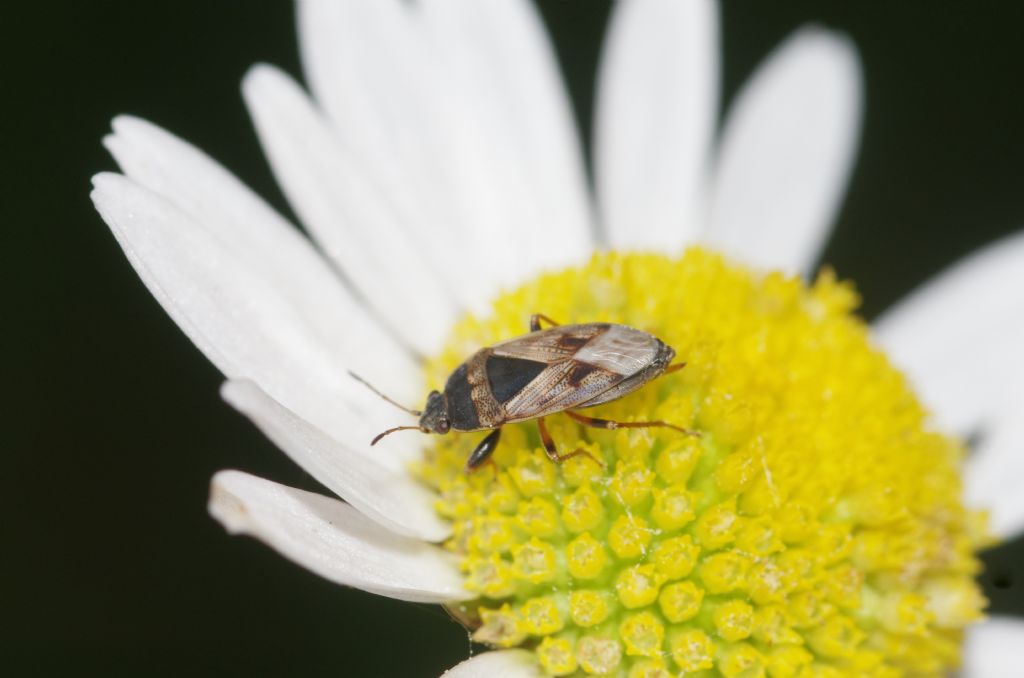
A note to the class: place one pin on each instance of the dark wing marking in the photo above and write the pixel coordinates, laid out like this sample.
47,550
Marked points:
561,386
507,376
551,345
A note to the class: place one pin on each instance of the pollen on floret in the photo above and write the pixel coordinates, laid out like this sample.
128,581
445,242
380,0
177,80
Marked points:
812,527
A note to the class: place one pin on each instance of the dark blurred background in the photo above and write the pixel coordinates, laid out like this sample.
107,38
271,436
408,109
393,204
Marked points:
111,564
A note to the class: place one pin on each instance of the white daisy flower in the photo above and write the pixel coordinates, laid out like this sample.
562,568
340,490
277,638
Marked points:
436,166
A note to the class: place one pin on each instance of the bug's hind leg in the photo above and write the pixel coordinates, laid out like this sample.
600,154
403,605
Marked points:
535,321
549,447
482,454
594,422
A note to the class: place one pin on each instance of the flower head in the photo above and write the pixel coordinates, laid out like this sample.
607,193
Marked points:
815,524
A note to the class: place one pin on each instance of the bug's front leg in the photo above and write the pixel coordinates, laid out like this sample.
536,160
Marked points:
549,447
535,321
482,454
612,425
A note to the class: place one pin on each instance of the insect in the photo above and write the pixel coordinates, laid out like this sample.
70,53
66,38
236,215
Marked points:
559,369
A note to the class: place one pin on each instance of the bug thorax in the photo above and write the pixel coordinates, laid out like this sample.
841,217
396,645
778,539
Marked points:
435,417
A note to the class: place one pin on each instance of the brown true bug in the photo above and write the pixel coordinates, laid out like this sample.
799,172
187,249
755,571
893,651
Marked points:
559,369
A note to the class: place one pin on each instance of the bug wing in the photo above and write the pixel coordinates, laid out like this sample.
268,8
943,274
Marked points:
586,364
552,345
561,386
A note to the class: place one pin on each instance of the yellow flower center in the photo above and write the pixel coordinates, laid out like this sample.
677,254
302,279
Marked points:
814,527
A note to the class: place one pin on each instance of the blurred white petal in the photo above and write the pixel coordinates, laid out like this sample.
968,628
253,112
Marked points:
994,648
392,499
499,66
333,539
788,146
372,68
657,97
394,267
993,473
959,336
231,305
265,243
497,664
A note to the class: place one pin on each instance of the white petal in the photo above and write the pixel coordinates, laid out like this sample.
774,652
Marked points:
333,539
958,337
392,499
500,66
233,306
497,664
788,146
370,67
358,224
993,473
213,199
994,649
656,104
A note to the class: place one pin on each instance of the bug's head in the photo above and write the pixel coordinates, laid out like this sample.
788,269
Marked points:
435,417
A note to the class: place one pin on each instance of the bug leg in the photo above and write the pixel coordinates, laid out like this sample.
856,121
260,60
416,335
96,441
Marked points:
673,368
612,425
549,447
535,321
483,451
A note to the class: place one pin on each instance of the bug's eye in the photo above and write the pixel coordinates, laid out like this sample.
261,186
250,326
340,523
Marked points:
443,425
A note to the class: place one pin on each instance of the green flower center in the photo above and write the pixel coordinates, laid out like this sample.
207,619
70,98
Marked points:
814,526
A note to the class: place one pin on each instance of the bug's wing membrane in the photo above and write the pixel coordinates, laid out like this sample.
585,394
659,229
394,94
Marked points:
562,386
551,345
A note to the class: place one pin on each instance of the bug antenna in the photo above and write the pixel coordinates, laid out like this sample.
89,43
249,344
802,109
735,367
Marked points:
415,413
392,430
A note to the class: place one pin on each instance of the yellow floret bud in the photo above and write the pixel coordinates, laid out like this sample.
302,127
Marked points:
771,626
759,537
533,474
691,649
904,612
718,525
590,608
598,654
838,636
534,561
735,472
541,616
674,558
724,572
538,517
500,628
741,659
642,634
586,557
788,661
492,532
680,601
638,586
673,507
556,656
952,602
649,668
491,576
629,536
631,483
733,620
582,510
676,462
